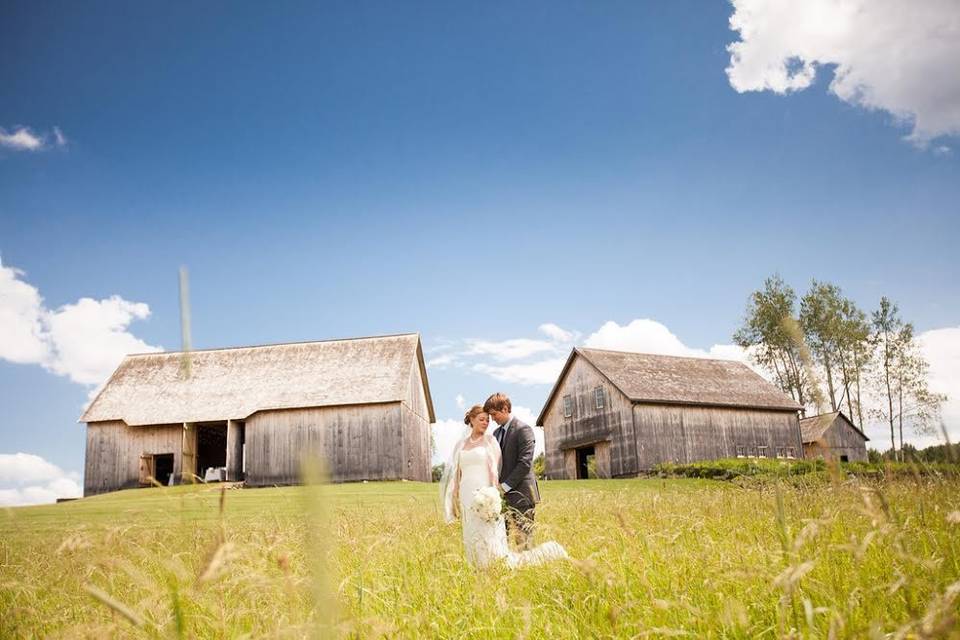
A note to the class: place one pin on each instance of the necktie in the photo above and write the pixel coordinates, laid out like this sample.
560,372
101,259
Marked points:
500,436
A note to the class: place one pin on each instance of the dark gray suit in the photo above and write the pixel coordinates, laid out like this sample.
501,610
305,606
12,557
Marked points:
516,471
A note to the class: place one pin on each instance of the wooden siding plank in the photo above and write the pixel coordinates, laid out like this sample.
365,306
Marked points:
614,421
364,442
113,453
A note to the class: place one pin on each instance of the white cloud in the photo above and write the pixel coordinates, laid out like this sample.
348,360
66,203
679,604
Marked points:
899,56
22,335
446,433
83,341
513,349
29,479
941,348
461,402
541,372
24,139
640,335
90,337
465,352
556,333
643,335
440,362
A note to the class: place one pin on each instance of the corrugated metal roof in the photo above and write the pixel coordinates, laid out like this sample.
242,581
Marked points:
236,382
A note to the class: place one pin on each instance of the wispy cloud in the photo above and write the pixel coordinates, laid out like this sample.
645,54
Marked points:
540,372
502,359
898,56
25,139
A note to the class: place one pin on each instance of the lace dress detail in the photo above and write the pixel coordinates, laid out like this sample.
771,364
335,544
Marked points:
486,542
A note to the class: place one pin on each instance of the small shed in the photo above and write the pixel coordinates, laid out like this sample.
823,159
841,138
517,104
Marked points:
615,414
361,405
833,436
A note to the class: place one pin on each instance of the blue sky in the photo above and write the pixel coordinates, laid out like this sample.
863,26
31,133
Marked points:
467,171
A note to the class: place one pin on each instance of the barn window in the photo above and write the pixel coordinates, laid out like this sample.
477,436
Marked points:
598,397
781,452
567,406
791,452
741,451
761,451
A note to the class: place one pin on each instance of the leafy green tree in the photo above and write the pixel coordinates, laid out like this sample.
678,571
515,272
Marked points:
838,334
539,466
770,337
856,356
821,321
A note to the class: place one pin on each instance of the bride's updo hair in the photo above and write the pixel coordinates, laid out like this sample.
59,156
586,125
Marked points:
474,411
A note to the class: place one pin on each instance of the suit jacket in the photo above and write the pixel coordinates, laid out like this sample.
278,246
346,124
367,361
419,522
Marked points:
516,468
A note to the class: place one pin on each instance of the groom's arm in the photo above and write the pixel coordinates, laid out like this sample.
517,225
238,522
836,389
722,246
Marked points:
525,458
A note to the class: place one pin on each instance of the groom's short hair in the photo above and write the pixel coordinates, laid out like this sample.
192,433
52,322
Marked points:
497,402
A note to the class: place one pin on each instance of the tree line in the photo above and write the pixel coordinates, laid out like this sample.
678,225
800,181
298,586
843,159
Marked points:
830,355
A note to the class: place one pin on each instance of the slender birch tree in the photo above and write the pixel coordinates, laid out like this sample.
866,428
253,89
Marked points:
767,335
887,325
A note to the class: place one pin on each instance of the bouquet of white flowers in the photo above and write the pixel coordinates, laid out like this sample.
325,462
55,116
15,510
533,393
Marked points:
487,504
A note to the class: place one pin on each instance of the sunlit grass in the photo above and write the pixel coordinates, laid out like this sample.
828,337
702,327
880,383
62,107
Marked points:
655,558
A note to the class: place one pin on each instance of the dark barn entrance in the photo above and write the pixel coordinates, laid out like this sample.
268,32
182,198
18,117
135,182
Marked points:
211,447
584,462
163,467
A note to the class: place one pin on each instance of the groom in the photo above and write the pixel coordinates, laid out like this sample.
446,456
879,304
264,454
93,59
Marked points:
517,481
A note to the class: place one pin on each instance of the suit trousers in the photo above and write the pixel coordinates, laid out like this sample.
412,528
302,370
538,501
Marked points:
520,519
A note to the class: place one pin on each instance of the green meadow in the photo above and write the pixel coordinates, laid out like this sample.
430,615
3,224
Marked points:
815,558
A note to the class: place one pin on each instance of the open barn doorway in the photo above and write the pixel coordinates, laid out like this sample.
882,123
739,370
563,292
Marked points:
155,468
212,451
163,467
586,457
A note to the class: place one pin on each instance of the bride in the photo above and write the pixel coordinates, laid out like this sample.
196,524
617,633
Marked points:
474,466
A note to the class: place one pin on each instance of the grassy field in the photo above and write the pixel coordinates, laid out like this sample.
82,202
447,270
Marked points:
654,558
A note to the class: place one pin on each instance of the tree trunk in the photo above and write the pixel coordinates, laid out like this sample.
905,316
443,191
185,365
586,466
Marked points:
845,371
900,411
833,395
886,377
859,403
784,384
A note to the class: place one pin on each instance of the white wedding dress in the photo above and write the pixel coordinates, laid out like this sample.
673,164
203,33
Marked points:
485,543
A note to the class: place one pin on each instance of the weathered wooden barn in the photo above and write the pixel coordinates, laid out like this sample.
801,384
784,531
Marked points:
362,405
833,436
622,413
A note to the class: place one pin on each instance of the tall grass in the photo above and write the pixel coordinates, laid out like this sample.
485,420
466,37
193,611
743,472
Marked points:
654,558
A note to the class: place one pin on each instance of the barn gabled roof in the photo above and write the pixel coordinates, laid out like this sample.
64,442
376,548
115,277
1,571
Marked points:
234,383
813,428
658,379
